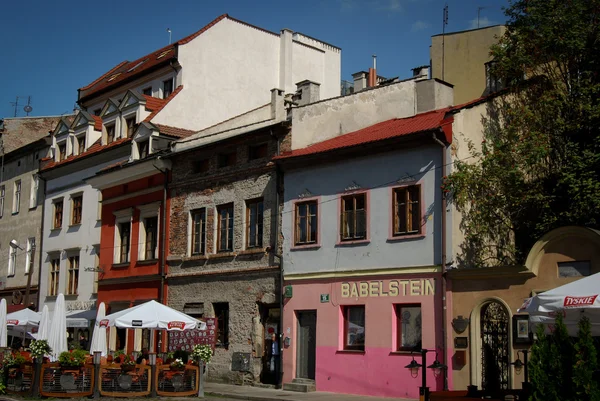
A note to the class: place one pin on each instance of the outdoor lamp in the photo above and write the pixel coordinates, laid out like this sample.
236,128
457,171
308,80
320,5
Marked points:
414,367
97,357
518,364
152,358
437,367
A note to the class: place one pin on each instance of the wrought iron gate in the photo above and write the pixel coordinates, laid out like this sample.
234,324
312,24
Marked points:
494,353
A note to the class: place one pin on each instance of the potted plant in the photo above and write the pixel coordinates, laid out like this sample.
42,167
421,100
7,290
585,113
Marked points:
177,365
39,349
13,360
202,352
73,359
127,363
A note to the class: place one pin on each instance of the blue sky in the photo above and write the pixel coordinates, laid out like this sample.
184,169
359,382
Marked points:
51,48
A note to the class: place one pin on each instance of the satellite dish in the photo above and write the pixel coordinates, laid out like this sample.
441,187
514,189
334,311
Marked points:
27,109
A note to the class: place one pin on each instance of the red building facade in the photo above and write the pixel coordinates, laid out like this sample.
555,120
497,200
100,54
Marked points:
132,242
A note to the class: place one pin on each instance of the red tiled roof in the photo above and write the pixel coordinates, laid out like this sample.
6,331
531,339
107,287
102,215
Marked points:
174,131
95,148
394,128
128,69
97,123
156,105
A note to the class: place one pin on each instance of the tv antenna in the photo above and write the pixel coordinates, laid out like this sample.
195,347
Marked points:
169,30
444,23
28,109
478,14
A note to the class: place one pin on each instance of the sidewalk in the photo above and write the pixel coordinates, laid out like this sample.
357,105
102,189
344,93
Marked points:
251,393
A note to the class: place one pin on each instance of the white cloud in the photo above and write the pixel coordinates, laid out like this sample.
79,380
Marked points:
483,21
420,26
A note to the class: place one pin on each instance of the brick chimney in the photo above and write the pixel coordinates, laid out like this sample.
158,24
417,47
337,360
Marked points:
373,73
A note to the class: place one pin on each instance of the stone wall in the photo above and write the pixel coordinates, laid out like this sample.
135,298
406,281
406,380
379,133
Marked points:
244,293
246,278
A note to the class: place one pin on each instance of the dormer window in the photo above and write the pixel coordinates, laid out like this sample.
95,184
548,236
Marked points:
80,144
147,91
110,134
62,152
113,77
143,148
130,126
167,88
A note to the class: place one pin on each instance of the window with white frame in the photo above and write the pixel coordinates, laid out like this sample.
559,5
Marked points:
167,88
54,273
58,213
130,126
35,183
148,236
122,236
99,207
73,275
12,261
29,253
143,148
97,266
110,134
76,209
62,151
17,197
80,142
2,194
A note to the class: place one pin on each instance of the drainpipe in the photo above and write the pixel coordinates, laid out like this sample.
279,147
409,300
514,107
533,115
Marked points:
163,236
443,228
163,240
278,179
41,245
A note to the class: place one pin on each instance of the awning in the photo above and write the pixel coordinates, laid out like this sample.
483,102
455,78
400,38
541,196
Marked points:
80,318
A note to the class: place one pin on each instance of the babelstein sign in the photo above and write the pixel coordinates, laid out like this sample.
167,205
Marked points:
392,288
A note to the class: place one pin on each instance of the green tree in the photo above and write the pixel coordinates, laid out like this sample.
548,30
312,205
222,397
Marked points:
586,363
551,365
538,166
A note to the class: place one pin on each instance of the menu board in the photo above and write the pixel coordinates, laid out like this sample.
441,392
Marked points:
186,339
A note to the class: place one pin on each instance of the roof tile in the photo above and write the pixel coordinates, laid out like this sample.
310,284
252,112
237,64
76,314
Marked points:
394,128
156,105
127,69
174,131
95,148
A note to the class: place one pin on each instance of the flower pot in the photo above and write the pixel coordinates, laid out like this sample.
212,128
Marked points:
176,368
127,368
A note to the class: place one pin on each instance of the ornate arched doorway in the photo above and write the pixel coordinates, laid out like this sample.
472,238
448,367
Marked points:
495,340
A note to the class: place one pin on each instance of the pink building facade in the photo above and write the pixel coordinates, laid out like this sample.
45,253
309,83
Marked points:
391,304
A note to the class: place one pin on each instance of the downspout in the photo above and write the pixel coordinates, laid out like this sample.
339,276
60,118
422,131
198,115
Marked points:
278,179
41,245
163,236
444,284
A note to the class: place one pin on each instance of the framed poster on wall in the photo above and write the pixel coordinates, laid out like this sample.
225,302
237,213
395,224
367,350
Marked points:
521,330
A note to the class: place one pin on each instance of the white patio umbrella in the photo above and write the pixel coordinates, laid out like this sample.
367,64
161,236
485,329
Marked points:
44,327
21,323
57,338
3,328
23,320
99,336
152,315
573,301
